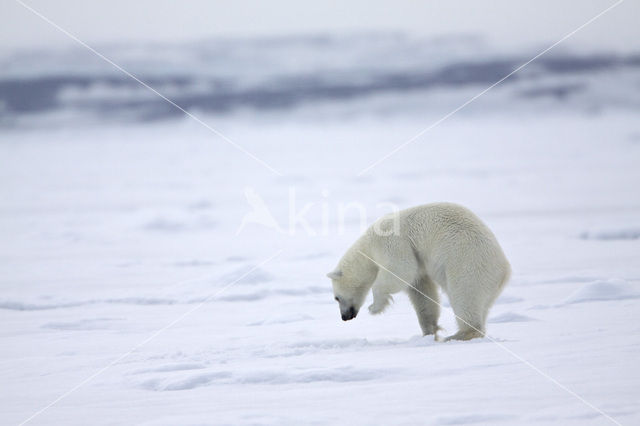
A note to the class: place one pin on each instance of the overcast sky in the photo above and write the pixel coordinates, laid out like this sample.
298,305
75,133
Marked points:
503,22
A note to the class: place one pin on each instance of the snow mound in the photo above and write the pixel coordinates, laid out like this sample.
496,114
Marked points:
186,383
265,293
283,319
247,275
505,298
344,374
510,317
174,225
612,289
473,419
15,305
267,377
169,368
83,324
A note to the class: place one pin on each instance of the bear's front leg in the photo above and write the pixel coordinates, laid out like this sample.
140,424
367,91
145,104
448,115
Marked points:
426,301
381,300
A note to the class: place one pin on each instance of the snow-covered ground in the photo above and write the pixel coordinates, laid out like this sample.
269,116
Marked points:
131,291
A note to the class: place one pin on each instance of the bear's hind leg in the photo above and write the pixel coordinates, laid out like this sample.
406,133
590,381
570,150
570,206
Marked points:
465,335
426,301
470,312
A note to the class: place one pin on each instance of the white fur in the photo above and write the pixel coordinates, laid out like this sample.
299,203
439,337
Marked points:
440,244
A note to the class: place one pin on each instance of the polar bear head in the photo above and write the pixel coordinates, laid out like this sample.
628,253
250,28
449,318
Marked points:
350,287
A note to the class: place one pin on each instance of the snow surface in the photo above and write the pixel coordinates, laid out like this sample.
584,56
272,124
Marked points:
120,242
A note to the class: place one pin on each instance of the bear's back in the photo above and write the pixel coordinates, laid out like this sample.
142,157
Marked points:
447,233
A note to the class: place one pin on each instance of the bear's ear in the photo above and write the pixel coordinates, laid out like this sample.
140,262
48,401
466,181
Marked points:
334,275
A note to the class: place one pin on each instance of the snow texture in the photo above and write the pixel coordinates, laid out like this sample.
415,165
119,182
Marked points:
120,244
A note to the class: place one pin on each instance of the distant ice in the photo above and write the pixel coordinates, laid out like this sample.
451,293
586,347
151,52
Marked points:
615,234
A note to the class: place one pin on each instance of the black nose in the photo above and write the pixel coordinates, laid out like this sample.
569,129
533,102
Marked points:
350,314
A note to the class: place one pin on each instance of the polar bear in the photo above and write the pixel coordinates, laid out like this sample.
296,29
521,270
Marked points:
417,249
